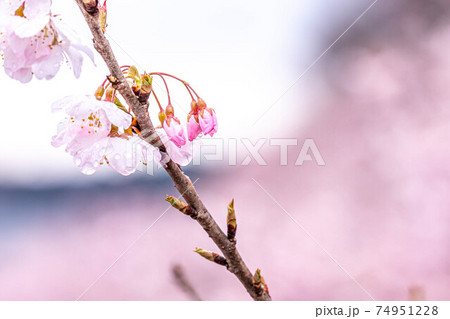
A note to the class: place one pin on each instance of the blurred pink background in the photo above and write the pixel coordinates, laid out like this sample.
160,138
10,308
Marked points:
380,205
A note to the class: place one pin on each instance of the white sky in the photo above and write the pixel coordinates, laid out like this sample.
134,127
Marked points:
239,56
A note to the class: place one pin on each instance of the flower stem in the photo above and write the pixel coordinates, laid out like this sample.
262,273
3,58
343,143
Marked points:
156,98
188,87
167,88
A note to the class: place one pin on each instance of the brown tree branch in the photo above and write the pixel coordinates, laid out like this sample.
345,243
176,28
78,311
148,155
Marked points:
182,183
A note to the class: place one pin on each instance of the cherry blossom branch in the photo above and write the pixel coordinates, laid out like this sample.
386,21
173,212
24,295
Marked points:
183,184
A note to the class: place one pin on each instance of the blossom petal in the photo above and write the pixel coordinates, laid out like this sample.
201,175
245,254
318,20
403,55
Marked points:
23,75
116,115
180,155
89,160
31,27
120,156
76,60
175,131
61,136
47,67
37,8
193,128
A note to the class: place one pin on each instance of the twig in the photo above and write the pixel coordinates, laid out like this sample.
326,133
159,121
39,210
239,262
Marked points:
182,183
184,284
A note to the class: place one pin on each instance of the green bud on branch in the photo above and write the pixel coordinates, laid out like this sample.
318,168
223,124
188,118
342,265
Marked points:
133,73
146,87
102,17
216,258
257,279
231,221
259,283
180,205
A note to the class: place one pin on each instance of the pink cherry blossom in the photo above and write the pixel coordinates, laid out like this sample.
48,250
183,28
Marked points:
175,131
208,121
35,43
180,155
193,128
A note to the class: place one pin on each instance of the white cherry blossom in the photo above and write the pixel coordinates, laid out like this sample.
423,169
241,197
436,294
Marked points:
93,133
33,42
87,134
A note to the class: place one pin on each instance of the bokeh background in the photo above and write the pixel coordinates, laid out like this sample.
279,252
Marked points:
376,105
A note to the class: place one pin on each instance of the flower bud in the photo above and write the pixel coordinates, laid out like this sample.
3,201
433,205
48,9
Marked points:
162,117
146,83
257,279
170,112
201,103
102,17
194,107
145,89
216,258
99,92
259,282
231,222
180,205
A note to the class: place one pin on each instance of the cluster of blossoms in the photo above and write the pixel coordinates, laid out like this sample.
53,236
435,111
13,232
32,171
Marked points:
100,130
201,119
35,42
97,132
